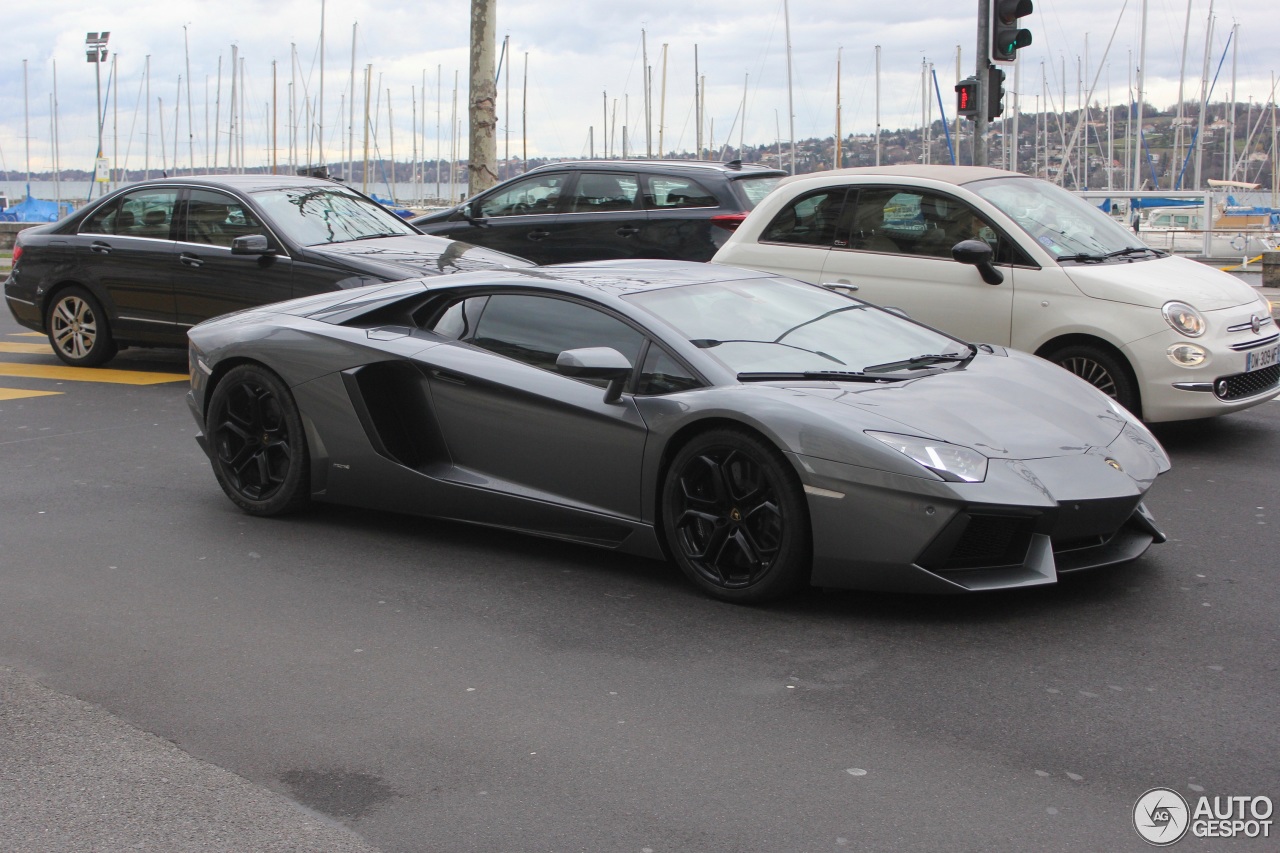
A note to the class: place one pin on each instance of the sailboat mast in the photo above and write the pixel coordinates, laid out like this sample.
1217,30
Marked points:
697,105
877,105
146,155
1142,74
191,134
274,164
1182,74
320,119
648,107
662,105
26,120
1229,162
791,113
1204,96
835,154
351,111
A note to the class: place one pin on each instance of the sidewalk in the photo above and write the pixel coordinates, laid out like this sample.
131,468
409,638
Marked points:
74,777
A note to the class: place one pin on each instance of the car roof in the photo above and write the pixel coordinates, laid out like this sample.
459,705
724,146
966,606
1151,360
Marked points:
947,174
730,168
243,183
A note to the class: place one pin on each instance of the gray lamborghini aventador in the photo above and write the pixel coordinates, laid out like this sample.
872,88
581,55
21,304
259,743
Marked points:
761,433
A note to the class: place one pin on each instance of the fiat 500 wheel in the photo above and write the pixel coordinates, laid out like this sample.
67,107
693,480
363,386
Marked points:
735,519
78,329
1101,370
259,447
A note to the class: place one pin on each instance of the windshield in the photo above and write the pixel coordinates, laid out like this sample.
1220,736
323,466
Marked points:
314,216
776,325
1065,224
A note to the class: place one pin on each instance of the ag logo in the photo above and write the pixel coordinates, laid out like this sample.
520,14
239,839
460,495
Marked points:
1161,817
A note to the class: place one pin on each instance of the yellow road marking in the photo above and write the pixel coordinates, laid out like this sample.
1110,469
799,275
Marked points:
26,334
89,374
19,393
34,349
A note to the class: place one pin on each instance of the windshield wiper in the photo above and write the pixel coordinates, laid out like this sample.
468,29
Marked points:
708,343
1134,250
920,361
1085,257
836,375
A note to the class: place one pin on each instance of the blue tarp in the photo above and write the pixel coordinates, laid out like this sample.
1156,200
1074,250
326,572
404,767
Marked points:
35,210
390,205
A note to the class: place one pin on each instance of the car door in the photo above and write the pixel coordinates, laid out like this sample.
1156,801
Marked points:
517,217
209,280
679,220
897,252
126,253
513,423
602,220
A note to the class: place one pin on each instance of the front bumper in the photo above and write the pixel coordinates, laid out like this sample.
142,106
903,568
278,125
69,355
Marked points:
1027,524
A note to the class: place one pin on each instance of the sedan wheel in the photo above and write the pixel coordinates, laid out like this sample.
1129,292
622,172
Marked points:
734,518
78,329
259,448
1101,370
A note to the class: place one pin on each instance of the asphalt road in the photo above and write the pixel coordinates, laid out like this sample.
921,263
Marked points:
438,687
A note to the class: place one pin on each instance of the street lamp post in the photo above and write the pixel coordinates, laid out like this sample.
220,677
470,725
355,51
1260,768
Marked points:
96,52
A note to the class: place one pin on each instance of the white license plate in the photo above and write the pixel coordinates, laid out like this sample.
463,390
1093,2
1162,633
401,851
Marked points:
1260,358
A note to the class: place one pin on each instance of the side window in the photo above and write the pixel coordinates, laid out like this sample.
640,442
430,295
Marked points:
662,374
539,194
142,213
665,193
810,220
459,320
604,191
536,329
215,219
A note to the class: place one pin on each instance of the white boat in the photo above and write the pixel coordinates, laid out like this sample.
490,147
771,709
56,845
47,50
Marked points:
1234,235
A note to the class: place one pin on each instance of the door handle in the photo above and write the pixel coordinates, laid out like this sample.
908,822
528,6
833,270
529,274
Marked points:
627,231
842,284
447,377
99,247
189,259
538,235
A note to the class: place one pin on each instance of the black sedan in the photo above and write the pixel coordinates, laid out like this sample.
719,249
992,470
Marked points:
141,266
761,432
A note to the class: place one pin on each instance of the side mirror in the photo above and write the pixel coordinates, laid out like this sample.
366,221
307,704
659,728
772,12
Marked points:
469,213
251,244
597,363
978,253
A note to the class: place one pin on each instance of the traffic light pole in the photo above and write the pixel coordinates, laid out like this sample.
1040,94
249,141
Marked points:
980,121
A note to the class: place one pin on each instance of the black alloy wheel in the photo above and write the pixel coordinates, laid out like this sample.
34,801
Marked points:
259,448
735,519
78,329
1101,370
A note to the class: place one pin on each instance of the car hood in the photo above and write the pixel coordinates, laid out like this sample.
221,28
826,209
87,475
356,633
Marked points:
420,254
1152,283
1013,406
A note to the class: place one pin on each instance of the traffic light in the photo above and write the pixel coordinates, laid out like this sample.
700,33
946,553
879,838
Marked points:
1006,36
967,97
995,92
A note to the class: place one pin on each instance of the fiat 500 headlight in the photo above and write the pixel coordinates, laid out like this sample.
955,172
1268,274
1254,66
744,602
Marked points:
1184,319
953,462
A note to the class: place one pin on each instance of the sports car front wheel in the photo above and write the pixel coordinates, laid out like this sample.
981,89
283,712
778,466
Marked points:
259,448
735,519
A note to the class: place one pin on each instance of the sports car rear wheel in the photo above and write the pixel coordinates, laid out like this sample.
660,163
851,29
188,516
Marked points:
259,448
735,519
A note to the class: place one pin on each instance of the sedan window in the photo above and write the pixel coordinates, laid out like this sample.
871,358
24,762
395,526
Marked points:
216,219
665,193
537,195
536,329
142,213
603,191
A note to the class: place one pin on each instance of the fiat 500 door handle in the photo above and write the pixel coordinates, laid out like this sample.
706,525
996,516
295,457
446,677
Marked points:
538,235
99,247
627,231
189,259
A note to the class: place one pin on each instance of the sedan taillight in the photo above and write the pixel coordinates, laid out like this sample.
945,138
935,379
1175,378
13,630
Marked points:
728,221
17,253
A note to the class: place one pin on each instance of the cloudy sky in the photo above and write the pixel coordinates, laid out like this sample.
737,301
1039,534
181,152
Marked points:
581,56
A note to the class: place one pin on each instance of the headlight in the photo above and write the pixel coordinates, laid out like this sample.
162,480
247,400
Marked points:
1183,318
953,462
1186,355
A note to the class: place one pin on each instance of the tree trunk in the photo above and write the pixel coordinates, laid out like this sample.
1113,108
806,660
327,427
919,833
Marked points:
483,142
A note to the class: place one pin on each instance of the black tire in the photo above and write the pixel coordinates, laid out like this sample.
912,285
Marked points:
78,328
735,518
259,446
1102,370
